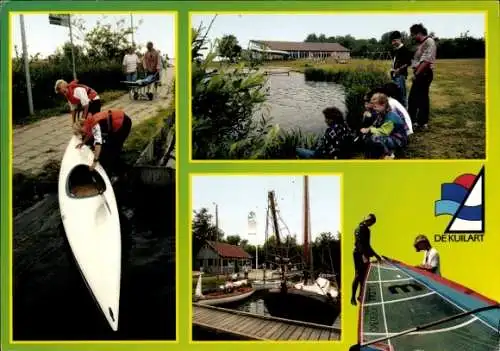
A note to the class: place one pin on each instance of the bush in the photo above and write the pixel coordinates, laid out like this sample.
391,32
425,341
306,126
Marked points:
100,76
223,108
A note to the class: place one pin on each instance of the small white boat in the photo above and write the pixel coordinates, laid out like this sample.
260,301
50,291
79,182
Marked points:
241,292
91,221
321,287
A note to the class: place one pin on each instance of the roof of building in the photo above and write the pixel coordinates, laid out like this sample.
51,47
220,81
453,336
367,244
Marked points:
228,250
302,46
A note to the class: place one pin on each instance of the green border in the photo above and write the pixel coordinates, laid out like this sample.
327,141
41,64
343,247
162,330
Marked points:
184,167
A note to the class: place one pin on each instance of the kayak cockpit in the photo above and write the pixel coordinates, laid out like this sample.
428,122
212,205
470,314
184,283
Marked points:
84,183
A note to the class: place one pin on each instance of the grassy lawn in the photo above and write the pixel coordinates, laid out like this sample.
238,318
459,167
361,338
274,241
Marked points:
458,110
62,108
141,134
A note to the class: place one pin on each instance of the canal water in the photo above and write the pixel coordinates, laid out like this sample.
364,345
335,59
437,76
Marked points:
295,103
50,298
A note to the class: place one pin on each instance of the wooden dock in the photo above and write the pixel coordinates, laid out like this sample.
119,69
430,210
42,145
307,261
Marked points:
276,72
255,327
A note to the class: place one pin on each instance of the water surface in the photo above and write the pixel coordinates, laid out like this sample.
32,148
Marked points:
295,103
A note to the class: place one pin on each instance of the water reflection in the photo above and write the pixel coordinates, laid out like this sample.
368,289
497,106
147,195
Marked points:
255,304
295,103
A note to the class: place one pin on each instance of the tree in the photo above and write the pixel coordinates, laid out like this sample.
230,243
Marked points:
104,41
233,240
228,47
203,230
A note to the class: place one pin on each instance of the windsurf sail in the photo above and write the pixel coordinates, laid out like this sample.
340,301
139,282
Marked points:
397,297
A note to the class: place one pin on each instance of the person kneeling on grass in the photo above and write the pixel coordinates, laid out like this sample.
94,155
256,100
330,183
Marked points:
388,132
105,132
337,140
391,91
431,262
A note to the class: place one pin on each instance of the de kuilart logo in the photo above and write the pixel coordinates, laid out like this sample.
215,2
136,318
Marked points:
463,200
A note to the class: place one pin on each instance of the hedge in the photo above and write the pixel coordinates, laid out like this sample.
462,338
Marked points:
101,76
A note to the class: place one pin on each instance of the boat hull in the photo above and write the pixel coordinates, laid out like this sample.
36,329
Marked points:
302,305
92,225
226,299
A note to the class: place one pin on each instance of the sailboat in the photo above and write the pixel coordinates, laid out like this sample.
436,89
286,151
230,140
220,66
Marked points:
311,300
228,293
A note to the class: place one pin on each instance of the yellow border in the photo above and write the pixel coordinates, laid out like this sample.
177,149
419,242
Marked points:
340,175
175,15
338,13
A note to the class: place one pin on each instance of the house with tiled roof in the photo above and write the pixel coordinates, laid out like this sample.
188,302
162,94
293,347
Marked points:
217,257
299,50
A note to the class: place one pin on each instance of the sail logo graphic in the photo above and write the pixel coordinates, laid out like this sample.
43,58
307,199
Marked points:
463,200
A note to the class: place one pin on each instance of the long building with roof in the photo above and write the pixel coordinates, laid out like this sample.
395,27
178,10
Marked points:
299,50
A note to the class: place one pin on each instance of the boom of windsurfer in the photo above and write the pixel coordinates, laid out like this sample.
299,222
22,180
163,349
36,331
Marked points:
362,254
431,261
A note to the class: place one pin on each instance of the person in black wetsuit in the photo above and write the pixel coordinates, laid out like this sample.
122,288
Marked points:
362,253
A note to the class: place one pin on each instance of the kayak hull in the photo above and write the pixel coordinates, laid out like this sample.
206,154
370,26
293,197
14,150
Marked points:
91,221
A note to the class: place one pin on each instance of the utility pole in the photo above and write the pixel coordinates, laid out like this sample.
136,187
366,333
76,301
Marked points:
216,222
26,66
220,270
72,46
132,28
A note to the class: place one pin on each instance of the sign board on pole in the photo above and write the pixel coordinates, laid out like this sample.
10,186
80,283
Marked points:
59,20
252,223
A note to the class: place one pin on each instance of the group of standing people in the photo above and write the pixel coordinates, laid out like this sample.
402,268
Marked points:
151,62
390,116
422,63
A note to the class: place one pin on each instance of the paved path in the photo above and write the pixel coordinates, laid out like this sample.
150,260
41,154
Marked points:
46,140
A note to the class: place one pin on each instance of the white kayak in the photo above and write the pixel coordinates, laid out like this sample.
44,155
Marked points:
90,217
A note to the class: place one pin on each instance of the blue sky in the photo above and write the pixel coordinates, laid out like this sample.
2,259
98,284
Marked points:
296,27
236,196
44,38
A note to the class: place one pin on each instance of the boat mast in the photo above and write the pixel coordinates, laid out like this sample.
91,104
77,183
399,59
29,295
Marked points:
307,230
280,258
266,243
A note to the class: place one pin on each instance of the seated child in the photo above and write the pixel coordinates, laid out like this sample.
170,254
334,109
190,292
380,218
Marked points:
387,133
337,140
392,91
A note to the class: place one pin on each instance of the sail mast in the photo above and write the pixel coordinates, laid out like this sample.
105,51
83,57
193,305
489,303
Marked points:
306,223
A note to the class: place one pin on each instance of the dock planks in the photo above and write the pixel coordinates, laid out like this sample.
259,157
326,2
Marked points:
258,327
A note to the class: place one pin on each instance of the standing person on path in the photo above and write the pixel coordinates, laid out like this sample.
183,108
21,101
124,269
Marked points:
79,97
152,62
130,62
423,74
431,261
106,133
400,64
362,254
